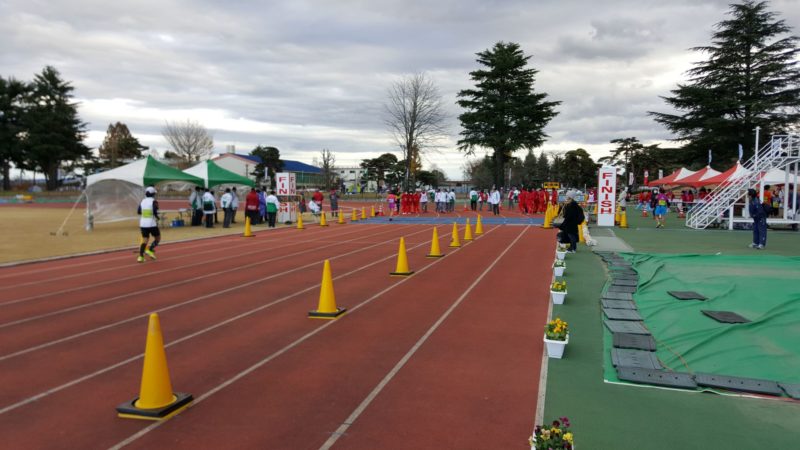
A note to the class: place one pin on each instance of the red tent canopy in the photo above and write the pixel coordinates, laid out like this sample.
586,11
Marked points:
731,174
698,179
672,178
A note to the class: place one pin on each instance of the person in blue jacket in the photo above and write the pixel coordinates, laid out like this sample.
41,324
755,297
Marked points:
759,215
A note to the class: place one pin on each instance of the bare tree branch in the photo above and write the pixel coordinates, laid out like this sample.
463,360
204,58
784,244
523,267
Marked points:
191,141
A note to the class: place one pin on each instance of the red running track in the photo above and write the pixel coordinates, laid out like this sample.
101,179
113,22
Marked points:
447,358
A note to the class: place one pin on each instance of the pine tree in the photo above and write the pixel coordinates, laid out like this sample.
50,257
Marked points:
118,145
54,131
503,112
751,78
542,168
12,111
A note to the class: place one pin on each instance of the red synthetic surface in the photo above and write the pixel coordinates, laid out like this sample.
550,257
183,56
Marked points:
233,312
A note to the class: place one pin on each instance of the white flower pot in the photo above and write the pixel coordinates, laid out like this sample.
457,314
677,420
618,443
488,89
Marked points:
561,255
555,349
559,271
558,297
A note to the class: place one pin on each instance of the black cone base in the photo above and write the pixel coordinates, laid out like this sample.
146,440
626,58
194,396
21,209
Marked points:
127,410
326,315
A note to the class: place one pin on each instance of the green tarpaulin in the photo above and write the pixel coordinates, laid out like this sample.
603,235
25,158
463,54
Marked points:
215,175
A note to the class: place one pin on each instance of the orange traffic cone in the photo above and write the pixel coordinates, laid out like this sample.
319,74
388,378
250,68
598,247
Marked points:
340,220
248,232
327,299
323,222
623,219
478,227
435,251
548,217
644,211
300,222
468,232
580,233
380,209
363,213
455,242
402,269
353,217
372,211
156,401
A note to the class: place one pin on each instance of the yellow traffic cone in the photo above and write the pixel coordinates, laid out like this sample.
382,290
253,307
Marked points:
363,213
353,217
156,401
327,299
300,222
468,232
580,232
402,269
435,251
323,222
372,211
548,218
616,216
455,242
623,219
478,227
248,232
341,218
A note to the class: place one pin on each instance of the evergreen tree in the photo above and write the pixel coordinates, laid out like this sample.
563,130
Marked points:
503,112
118,145
542,169
270,163
751,78
12,110
580,170
529,169
54,131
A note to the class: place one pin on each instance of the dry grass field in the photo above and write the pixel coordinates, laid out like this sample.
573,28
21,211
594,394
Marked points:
28,233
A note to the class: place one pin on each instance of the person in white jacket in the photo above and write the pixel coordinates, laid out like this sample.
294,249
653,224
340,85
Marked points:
226,202
209,208
494,201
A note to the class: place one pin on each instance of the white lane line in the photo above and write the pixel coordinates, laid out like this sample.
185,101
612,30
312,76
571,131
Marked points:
161,287
189,336
280,352
148,274
392,373
177,305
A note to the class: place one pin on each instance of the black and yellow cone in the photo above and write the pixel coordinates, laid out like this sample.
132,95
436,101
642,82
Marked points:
327,308
323,222
340,220
436,252
156,401
478,227
402,270
248,231
300,222
623,219
468,232
455,242
363,213
353,216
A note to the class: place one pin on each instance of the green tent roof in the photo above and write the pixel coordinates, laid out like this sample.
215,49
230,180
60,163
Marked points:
156,172
215,175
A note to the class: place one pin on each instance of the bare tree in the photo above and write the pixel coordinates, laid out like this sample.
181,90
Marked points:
190,140
415,116
327,165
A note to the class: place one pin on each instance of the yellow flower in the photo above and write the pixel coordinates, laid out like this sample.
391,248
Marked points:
568,437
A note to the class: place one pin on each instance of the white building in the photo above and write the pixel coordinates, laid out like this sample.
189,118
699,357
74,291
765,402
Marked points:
352,179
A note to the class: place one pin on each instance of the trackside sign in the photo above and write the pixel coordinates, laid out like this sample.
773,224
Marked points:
606,196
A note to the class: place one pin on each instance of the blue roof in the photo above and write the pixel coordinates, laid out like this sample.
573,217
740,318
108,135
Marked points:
288,164
253,158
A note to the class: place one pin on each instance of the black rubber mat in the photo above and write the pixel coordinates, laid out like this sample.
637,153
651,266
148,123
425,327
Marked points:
628,289
622,314
738,383
634,358
635,341
656,377
725,316
625,326
617,304
687,295
618,296
792,390
617,282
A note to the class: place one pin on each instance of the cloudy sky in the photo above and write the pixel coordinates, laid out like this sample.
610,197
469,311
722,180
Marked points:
305,75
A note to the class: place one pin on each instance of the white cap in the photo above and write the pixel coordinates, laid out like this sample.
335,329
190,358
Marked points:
150,190
571,194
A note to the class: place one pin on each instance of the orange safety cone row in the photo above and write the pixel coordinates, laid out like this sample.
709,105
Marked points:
478,226
436,252
323,222
300,222
644,211
380,209
353,217
455,242
327,308
468,232
402,270
363,213
372,211
248,231
340,220
156,400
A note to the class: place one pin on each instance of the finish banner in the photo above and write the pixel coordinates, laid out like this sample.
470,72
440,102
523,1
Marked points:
606,196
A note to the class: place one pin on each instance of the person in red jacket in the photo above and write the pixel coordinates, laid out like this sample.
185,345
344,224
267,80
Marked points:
523,201
542,200
554,197
318,198
415,199
530,201
251,206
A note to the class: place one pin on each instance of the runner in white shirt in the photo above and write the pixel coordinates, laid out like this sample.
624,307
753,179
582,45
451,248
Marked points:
148,224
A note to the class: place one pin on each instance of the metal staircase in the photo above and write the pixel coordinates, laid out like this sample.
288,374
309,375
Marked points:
779,152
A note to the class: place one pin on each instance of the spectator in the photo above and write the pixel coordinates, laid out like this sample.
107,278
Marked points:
234,204
759,214
196,205
209,208
225,202
273,205
494,201
573,218
251,206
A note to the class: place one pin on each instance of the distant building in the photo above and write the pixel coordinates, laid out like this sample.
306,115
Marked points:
306,175
353,178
